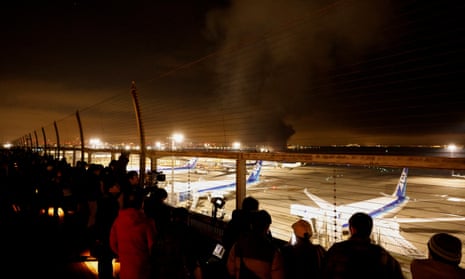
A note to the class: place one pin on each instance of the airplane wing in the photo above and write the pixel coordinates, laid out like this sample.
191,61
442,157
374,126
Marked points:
319,201
391,239
396,243
348,209
451,218
333,220
386,233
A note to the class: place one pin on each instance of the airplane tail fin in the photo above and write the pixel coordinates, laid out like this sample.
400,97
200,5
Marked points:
401,187
192,163
255,174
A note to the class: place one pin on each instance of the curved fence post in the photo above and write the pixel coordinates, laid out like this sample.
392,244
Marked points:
140,126
81,134
37,141
57,155
45,142
30,142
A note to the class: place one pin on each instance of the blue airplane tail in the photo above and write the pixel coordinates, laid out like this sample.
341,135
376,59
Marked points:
192,163
401,188
255,174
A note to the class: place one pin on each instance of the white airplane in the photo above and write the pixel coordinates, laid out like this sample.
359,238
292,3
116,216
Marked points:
285,165
210,188
190,165
230,166
290,165
330,222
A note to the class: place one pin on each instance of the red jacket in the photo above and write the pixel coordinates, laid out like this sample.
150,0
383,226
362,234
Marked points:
132,238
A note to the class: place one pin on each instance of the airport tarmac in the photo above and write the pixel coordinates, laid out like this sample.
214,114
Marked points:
431,193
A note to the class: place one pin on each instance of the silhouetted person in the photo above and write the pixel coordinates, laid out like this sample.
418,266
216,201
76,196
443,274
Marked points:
132,182
50,190
254,255
94,185
302,259
132,239
175,255
358,257
107,210
444,256
156,208
55,191
240,222
133,178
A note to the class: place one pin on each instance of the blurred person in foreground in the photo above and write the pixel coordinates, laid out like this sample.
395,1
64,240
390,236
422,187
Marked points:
107,210
240,222
302,258
358,257
254,255
444,256
132,238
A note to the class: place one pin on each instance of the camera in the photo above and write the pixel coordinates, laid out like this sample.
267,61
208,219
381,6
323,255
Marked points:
218,204
154,177
160,176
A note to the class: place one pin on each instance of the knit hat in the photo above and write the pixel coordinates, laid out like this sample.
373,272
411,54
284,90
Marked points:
301,228
446,246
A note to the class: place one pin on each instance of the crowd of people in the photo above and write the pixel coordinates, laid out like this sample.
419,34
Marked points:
252,255
113,214
125,221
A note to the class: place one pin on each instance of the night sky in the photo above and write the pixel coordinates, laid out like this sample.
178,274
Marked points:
330,72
